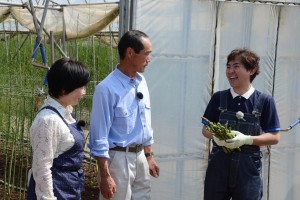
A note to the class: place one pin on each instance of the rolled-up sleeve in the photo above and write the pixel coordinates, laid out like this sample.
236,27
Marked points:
101,118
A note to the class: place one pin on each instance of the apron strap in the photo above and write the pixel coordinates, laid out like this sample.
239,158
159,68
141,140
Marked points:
54,109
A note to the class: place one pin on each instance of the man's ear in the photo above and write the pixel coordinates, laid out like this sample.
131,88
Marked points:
129,52
253,71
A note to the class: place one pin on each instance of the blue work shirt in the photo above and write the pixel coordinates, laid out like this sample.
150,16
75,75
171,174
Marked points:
119,117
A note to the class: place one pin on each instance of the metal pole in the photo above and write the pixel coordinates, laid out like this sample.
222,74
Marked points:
124,17
39,23
43,18
32,11
52,47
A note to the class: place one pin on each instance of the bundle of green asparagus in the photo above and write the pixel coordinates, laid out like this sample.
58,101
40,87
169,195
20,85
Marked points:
222,132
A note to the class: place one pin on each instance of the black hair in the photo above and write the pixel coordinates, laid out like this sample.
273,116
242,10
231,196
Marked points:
249,59
133,39
66,75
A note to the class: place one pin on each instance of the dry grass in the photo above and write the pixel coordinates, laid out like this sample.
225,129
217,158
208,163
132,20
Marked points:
20,178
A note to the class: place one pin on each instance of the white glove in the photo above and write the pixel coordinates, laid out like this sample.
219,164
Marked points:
239,140
219,142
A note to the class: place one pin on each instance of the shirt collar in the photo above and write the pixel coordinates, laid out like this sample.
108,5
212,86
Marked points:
65,113
246,95
126,79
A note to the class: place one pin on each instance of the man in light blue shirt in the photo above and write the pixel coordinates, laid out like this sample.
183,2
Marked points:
121,134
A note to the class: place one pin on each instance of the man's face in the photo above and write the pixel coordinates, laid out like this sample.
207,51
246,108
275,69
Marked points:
237,75
140,60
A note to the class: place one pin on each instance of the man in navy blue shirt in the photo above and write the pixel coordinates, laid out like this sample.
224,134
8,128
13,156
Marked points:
253,117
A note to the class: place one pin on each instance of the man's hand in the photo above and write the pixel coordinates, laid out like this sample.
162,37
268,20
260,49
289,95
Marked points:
239,140
153,167
107,187
106,183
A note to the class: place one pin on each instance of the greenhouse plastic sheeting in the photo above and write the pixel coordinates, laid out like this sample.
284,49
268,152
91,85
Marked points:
191,40
77,21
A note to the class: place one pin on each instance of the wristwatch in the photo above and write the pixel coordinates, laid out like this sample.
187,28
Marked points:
149,154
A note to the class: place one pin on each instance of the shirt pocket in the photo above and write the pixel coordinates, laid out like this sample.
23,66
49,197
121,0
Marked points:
147,106
148,113
124,120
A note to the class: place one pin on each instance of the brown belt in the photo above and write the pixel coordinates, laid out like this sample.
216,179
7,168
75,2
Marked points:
134,149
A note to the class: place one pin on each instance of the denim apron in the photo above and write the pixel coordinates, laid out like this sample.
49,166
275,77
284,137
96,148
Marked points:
67,174
236,175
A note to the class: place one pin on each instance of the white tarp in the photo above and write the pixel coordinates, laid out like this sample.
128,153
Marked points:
191,40
76,21
4,13
86,20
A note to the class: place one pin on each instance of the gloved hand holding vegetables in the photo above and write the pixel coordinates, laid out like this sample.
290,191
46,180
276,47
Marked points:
221,134
219,142
239,140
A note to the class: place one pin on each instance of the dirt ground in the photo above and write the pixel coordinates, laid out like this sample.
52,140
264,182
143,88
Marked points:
91,190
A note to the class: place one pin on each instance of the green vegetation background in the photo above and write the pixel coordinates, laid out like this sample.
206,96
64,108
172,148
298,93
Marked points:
19,84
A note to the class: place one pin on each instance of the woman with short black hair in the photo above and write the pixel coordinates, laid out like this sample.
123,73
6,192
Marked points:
56,138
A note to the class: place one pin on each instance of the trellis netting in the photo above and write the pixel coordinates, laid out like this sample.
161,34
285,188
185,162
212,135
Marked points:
191,40
85,32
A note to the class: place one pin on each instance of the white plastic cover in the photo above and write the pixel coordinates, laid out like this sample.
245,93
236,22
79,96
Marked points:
191,40
79,20
4,13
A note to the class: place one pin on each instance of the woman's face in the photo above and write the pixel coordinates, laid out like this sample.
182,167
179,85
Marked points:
73,97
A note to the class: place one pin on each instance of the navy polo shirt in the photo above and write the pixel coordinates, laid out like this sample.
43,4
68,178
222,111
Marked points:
269,121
